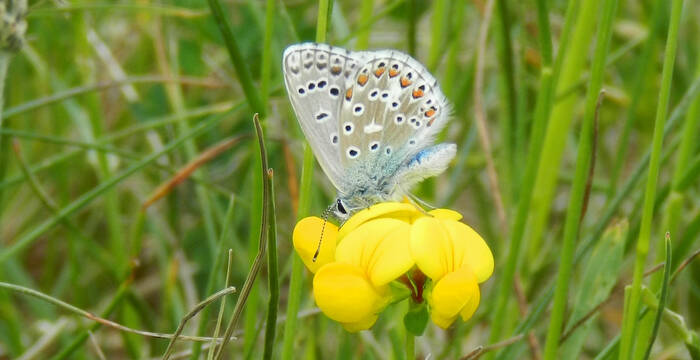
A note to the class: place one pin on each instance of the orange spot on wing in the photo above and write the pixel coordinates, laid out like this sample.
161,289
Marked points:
362,79
417,93
430,113
393,72
335,70
348,94
405,82
379,72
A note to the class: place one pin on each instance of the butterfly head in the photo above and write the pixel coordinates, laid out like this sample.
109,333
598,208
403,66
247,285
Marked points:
340,210
346,206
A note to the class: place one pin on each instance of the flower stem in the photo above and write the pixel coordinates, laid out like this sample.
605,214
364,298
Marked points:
410,346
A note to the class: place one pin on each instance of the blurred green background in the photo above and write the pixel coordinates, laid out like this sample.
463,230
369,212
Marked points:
107,100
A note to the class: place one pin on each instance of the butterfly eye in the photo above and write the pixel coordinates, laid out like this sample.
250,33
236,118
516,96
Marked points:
341,208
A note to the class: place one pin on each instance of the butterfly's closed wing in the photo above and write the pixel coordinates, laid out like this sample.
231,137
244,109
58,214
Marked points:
392,108
316,76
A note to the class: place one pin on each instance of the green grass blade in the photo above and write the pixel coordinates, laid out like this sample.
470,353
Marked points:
272,273
363,35
640,74
537,134
630,318
244,76
305,192
560,121
262,244
574,212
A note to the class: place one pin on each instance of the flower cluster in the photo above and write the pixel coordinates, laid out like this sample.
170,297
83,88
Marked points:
394,242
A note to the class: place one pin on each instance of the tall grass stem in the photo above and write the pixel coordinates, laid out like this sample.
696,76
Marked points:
585,154
642,249
305,192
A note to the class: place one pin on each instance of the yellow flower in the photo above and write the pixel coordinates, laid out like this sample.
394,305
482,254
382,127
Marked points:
456,258
378,245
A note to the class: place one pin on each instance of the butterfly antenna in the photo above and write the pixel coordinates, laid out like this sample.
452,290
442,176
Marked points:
323,228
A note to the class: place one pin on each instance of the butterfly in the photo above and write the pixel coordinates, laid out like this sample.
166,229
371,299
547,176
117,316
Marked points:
370,117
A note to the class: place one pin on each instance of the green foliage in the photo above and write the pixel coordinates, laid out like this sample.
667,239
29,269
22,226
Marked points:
101,102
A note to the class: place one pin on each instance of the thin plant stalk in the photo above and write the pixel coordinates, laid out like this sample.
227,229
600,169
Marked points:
272,273
100,320
257,262
578,192
199,307
630,317
689,139
305,192
78,340
663,296
214,273
222,307
410,345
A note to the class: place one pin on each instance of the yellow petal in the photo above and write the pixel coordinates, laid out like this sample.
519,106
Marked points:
446,214
441,321
470,307
306,235
363,324
471,249
345,295
385,209
380,248
431,247
392,257
456,293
